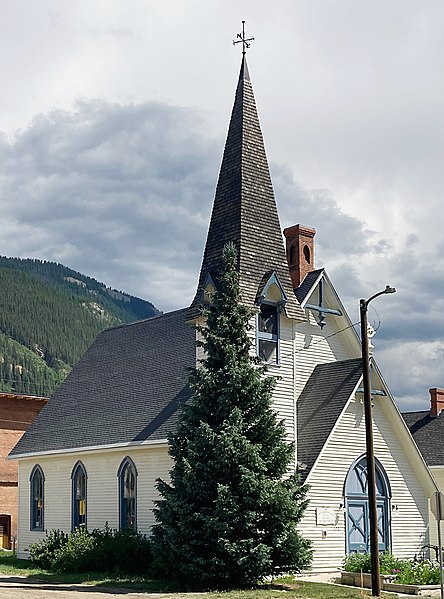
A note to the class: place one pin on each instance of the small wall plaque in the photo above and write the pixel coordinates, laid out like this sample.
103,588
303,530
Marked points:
325,516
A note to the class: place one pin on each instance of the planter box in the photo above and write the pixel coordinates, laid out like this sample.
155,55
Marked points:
425,590
357,579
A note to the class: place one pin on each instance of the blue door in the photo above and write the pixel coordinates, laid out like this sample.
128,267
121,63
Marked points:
357,513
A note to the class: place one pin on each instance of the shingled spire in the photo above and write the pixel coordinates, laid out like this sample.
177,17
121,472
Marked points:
244,209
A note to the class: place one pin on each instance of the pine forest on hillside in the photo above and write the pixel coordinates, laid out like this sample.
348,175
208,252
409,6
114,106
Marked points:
49,315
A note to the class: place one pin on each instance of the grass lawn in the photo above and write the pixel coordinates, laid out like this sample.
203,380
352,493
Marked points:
285,587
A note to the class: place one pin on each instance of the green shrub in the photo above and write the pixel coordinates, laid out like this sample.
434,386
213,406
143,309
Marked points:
107,550
77,554
42,553
122,551
361,562
357,562
388,563
418,573
405,571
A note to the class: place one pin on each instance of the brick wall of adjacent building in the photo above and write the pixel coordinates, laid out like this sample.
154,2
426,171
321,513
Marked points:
17,412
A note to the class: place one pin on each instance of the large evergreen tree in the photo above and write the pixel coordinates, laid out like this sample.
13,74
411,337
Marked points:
228,517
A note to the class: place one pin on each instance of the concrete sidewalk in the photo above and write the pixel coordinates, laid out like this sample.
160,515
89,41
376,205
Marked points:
319,576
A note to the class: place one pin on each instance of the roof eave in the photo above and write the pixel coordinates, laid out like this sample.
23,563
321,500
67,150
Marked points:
96,448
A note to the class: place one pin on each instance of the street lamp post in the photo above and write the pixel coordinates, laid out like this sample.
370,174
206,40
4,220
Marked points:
371,472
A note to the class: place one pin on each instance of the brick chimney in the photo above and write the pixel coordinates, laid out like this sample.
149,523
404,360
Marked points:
300,252
436,401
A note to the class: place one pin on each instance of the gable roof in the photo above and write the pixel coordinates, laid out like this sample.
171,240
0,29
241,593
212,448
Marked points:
428,433
320,404
244,209
306,287
127,388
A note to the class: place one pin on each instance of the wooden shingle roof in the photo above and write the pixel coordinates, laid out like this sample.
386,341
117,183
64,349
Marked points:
244,209
307,284
320,404
127,388
428,433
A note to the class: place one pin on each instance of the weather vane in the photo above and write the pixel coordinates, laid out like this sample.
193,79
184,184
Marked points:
243,39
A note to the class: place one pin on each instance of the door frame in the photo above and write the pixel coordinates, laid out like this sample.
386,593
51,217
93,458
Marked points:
360,499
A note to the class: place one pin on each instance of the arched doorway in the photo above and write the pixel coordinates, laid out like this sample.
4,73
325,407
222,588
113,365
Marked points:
356,505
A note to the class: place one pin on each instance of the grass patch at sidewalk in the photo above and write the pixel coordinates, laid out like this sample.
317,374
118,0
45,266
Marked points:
285,587
16,567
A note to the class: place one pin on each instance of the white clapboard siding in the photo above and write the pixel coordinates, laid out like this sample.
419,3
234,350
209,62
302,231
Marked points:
200,353
314,346
284,392
102,489
438,475
409,503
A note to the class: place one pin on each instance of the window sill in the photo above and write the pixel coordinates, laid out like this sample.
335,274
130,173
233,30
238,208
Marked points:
272,365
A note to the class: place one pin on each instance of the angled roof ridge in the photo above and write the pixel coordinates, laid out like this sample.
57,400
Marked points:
244,209
324,396
128,387
142,320
307,284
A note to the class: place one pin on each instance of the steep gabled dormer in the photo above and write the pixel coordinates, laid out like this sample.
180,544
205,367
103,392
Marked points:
271,299
244,209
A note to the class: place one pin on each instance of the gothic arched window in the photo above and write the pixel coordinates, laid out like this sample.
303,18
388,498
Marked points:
127,494
78,477
37,483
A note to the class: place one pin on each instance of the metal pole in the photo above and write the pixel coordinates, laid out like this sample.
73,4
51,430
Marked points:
439,516
371,473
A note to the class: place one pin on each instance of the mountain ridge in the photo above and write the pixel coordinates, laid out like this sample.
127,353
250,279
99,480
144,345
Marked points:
49,315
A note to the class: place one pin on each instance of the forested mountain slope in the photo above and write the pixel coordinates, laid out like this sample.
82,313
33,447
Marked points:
49,315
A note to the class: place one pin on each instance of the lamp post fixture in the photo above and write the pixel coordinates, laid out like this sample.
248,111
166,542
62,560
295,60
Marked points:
371,473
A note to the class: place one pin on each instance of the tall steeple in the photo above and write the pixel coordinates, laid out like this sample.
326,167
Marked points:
244,209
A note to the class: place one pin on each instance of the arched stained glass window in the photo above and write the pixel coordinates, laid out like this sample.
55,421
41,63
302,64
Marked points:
128,494
37,481
78,496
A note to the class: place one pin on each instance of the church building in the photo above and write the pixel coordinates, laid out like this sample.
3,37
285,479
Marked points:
95,451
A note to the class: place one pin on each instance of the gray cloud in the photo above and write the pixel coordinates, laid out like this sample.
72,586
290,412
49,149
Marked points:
112,191
123,193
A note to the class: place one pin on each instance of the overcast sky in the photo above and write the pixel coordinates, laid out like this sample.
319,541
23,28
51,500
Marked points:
113,116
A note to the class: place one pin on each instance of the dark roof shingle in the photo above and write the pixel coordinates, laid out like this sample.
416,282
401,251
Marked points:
126,388
244,209
428,433
320,404
306,285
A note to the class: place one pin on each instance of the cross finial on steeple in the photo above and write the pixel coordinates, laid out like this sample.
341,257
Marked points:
243,39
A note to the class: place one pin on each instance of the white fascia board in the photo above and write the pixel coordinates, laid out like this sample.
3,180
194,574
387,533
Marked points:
313,287
404,432
349,324
342,308
99,448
